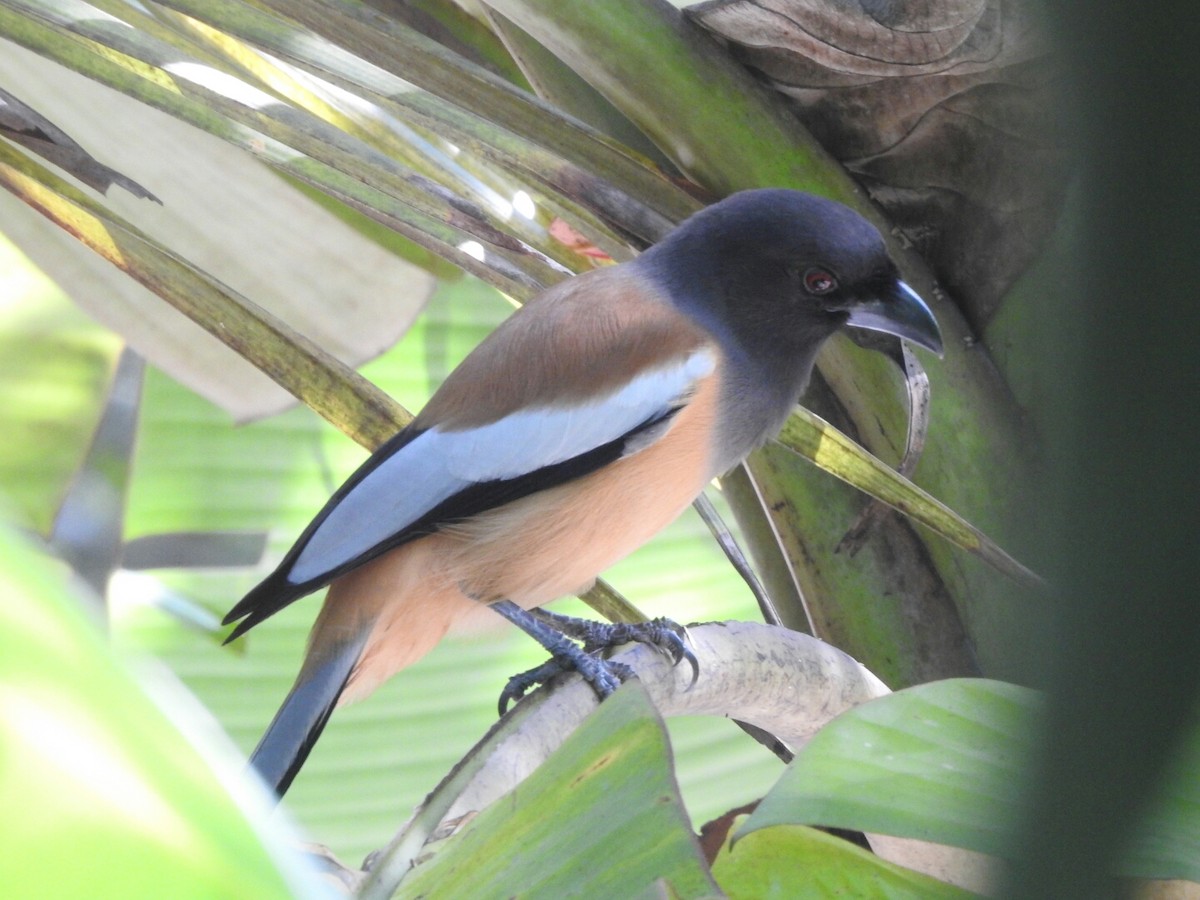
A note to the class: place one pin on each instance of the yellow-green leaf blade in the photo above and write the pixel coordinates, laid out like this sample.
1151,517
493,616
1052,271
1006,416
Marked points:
815,439
606,794
792,862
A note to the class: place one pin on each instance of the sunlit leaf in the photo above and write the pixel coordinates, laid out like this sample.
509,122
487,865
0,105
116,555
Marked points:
305,369
98,774
606,794
815,439
345,292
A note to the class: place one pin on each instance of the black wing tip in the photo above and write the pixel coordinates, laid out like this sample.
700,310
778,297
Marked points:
243,626
276,591
265,599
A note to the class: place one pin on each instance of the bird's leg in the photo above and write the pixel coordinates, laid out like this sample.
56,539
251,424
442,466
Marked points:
603,675
661,634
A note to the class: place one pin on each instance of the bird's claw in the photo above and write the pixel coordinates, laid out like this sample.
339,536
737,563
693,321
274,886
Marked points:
555,632
671,638
604,675
663,634
521,683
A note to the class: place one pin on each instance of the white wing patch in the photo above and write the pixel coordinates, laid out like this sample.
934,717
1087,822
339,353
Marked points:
534,438
438,464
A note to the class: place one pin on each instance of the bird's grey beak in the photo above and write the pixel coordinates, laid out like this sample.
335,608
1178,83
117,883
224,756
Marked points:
900,311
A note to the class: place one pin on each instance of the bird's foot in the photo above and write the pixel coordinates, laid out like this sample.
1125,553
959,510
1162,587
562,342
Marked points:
604,675
662,634
552,631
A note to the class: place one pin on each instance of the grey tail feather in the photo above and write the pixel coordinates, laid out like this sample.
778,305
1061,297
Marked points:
302,717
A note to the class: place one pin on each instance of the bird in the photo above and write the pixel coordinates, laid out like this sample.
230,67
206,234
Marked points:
581,426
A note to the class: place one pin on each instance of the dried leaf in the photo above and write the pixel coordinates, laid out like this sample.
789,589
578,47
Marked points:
945,112
24,125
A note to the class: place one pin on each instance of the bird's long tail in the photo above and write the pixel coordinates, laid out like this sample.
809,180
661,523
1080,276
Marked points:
295,729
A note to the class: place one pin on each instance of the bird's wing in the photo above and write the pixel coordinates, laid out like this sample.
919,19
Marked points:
562,389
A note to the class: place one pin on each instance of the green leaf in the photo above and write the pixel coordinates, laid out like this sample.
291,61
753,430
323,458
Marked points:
791,862
815,439
55,366
940,762
620,47
1167,843
606,794
944,762
110,797
395,48
558,84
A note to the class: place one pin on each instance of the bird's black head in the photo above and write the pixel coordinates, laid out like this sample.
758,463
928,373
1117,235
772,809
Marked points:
775,272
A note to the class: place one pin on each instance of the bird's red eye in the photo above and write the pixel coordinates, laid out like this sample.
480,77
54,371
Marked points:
819,281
